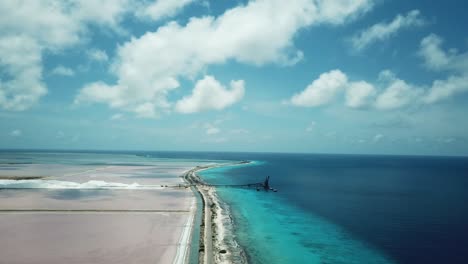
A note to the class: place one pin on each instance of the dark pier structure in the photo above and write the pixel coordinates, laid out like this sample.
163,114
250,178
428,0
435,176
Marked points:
265,185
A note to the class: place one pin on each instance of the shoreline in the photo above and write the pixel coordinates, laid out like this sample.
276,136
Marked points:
217,225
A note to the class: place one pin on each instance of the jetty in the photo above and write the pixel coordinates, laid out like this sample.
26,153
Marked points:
195,181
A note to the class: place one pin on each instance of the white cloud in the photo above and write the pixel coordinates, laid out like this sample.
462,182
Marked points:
444,89
97,55
62,70
209,94
48,23
435,58
16,133
20,58
397,93
107,13
383,31
99,92
159,9
359,94
145,110
28,28
329,85
148,68
322,90
390,92
430,50
394,93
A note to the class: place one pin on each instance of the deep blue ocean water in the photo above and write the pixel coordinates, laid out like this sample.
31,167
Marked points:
350,208
329,208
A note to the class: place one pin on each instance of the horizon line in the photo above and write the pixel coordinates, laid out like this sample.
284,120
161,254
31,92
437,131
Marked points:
218,151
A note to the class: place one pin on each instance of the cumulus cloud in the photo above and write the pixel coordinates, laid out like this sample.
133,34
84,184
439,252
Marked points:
359,94
209,94
157,10
20,58
329,86
28,28
394,93
146,110
148,68
97,55
99,92
383,30
106,13
444,89
391,92
430,50
322,90
437,59
397,93
62,70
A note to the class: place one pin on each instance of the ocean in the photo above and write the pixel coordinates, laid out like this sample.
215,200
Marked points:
350,208
328,208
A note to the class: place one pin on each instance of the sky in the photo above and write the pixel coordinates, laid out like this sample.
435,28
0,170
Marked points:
314,76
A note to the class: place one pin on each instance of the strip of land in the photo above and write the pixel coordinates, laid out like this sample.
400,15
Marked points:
213,247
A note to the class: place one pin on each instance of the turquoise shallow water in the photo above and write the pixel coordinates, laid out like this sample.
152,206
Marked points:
273,231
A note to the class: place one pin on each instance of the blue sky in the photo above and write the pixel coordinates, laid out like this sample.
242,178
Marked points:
345,76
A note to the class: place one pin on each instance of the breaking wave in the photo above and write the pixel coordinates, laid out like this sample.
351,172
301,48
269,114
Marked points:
54,184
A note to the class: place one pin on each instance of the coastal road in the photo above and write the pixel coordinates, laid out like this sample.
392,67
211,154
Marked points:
208,232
